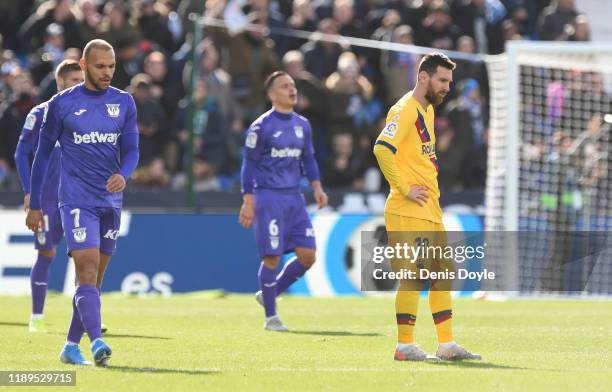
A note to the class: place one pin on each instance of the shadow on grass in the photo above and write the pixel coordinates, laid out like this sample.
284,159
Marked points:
484,365
113,335
334,333
119,336
9,324
129,369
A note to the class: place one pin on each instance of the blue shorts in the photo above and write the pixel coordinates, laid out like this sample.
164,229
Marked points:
91,227
46,240
281,223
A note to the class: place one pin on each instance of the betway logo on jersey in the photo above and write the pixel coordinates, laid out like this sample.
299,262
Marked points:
286,152
95,137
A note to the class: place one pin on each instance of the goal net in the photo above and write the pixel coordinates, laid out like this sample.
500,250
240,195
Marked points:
548,208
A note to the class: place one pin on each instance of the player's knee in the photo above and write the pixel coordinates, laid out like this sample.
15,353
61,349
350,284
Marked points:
47,253
307,259
271,262
87,276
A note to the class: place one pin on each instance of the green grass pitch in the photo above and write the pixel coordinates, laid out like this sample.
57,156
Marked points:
197,342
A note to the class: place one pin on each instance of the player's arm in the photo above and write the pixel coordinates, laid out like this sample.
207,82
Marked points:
253,149
311,169
24,149
50,131
386,145
129,151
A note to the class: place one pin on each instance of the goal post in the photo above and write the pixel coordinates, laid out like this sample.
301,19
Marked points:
549,166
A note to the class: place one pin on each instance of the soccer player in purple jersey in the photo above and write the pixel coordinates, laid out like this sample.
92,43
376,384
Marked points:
95,125
67,74
278,149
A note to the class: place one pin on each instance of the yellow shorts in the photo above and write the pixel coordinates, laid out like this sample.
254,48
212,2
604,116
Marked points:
429,238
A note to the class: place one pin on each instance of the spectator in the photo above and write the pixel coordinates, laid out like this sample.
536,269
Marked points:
116,27
152,126
476,70
209,129
13,112
303,17
153,21
312,100
129,60
312,97
343,169
152,175
32,32
437,29
467,121
399,69
555,18
250,59
482,20
349,108
46,59
165,87
580,30
321,57
273,19
89,20
204,177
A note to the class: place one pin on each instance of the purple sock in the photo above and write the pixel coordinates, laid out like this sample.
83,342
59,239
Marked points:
39,277
87,298
267,283
291,272
76,329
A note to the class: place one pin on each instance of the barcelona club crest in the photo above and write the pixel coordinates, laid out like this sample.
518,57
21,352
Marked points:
112,109
299,131
80,234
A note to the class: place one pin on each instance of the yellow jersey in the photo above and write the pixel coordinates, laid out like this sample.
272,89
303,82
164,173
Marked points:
409,134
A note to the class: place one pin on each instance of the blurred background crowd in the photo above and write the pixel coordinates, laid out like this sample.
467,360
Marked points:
344,90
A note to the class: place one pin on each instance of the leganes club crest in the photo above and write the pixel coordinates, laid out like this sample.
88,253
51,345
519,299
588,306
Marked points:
299,131
80,234
112,109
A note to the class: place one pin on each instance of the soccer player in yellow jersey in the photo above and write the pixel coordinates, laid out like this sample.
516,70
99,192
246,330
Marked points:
405,150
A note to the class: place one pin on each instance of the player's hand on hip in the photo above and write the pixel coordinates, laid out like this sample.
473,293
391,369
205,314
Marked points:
116,183
247,212
418,194
321,198
26,202
34,220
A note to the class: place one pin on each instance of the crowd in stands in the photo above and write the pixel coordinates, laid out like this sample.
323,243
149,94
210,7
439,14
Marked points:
345,91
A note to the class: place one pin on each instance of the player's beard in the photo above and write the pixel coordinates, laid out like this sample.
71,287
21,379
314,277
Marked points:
432,97
93,81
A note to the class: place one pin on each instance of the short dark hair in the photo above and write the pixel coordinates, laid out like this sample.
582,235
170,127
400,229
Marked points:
65,67
271,78
96,44
432,61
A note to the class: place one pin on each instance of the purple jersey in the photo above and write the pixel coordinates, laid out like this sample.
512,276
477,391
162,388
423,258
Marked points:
88,125
279,144
30,134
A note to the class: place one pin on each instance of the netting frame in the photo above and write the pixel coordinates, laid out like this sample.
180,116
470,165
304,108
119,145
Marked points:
502,208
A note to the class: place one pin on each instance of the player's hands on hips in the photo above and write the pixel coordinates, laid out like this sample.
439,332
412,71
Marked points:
418,194
26,202
34,220
116,183
247,211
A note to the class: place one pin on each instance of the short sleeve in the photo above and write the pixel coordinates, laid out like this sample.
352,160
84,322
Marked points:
51,126
254,142
130,124
397,126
